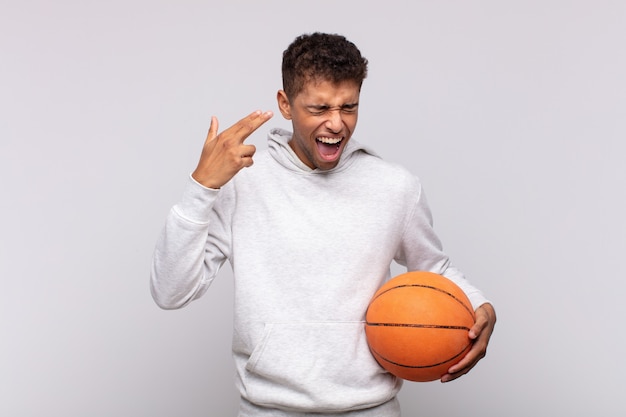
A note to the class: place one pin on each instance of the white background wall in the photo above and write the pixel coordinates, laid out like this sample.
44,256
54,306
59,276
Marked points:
513,113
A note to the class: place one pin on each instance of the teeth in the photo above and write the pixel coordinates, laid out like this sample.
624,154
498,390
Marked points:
330,141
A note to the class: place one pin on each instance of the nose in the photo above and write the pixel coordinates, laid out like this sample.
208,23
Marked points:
334,122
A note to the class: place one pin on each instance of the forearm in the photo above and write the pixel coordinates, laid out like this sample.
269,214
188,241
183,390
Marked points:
186,257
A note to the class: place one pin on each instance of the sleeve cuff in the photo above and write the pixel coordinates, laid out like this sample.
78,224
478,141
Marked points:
197,202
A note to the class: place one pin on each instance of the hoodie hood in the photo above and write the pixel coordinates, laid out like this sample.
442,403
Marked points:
278,144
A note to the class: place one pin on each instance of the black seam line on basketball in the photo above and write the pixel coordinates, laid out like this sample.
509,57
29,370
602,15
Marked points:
421,366
421,326
431,288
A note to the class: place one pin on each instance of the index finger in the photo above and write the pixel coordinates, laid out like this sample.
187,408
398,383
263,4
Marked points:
244,127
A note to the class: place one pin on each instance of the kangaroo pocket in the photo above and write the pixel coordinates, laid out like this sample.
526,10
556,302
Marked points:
321,366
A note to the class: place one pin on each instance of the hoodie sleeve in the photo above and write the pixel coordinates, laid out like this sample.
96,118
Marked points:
191,248
421,249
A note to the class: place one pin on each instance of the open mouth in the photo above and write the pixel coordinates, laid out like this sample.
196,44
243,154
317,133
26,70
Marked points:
328,147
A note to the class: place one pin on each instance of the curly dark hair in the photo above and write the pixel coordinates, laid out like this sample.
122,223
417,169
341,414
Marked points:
321,56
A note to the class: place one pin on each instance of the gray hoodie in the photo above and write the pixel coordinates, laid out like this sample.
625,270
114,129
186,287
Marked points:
308,249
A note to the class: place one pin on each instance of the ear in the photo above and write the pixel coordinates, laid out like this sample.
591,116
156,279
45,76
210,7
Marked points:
283,104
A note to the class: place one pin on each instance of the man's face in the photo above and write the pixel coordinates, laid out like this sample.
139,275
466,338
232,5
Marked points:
323,115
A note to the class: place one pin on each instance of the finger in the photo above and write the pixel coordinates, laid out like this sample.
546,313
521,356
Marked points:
485,319
247,161
247,154
247,150
461,368
477,328
470,359
252,122
451,376
473,356
244,127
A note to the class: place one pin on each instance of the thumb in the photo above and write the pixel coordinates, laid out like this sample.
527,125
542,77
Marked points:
212,129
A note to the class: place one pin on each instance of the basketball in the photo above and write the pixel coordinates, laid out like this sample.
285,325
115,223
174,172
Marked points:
417,325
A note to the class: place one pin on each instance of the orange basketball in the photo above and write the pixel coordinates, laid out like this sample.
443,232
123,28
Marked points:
417,325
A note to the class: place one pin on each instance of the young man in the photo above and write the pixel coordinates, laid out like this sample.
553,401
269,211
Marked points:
310,230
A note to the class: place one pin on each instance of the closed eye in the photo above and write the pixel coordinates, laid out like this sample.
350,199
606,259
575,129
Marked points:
321,110
350,108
